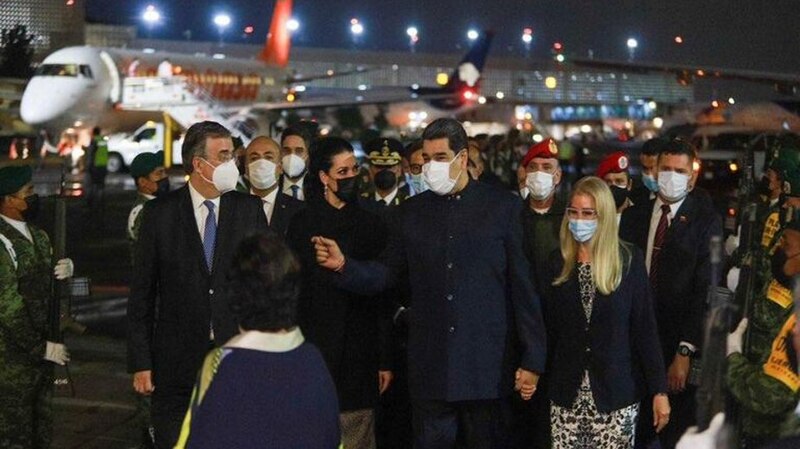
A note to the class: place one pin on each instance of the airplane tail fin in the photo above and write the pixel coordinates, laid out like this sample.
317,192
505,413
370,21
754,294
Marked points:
470,69
279,41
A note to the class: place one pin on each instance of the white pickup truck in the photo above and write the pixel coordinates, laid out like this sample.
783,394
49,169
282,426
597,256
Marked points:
149,138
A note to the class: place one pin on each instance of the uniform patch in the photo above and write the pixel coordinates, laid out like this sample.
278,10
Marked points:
779,294
132,221
623,162
778,365
771,226
553,147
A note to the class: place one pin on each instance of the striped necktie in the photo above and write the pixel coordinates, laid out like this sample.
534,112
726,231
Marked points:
658,242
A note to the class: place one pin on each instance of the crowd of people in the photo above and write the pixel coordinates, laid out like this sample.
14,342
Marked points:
447,293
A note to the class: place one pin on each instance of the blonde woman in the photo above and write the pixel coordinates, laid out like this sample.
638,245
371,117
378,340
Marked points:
605,352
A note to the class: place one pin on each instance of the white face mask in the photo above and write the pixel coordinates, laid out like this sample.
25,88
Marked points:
293,165
672,186
437,176
225,176
540,184
262,174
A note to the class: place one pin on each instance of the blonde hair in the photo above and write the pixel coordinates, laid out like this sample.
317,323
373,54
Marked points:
607,263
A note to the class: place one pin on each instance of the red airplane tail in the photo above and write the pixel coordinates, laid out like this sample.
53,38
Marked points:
276,48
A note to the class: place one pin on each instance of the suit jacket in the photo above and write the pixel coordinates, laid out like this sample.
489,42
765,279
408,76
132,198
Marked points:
174,298
619,346
282,212
684,267
474,316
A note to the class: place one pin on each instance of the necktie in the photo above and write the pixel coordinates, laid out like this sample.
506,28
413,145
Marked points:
209,234
658,242
381,203
295,191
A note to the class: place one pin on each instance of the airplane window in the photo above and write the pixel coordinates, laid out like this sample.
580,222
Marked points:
146,134
86,71
58,70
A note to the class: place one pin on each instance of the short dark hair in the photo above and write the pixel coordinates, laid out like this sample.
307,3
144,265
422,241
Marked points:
299,131
265,284
411,148
194,143
447,128
321,155
679,146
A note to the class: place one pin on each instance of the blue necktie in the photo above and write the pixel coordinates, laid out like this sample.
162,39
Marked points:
295,191
209,234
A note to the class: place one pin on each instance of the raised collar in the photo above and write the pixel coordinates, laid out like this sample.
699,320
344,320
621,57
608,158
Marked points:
267,341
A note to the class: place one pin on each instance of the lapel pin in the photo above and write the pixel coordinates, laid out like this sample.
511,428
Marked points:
682,219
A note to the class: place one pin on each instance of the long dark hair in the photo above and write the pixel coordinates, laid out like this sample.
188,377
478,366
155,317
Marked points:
323,150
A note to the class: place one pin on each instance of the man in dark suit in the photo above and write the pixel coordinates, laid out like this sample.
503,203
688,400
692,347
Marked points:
295,145
263,169
178,308
674,230
475,325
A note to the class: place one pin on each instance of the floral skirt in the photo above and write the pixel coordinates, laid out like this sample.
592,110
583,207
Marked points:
583,427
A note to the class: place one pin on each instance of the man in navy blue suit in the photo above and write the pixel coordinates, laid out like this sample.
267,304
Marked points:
475,323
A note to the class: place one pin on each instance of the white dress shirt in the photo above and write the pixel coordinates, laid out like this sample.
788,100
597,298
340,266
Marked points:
200,210
20,226
287,187
269,203
388,198
654,219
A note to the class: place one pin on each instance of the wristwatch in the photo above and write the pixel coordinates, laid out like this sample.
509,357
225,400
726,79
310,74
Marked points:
685,351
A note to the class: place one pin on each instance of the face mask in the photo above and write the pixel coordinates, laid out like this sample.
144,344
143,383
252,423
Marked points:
673,186
650,182
437,176
620,195
777,262
293,165
32,207
225,176
582,230
417,183
524,192
162,187
385,180
347,189
262,174
540,185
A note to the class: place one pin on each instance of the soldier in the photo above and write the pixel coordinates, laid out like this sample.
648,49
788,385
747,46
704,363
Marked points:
764,381
26,375
150,176
384,172
613,169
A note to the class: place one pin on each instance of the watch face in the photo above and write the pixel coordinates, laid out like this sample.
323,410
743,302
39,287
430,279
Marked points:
683,350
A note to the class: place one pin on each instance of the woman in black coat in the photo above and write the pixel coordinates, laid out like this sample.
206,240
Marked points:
345,327
605,354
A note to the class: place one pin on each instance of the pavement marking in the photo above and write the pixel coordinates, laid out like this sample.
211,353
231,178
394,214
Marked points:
77,402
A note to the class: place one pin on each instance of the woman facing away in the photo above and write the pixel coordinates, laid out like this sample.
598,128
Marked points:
266,387
605,351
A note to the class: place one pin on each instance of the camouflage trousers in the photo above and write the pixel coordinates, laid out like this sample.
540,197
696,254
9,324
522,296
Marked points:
26,394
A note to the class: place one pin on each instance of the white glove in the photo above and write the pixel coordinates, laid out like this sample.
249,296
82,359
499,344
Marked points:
706,439
735,338
733,278
64,269
731,244
56,353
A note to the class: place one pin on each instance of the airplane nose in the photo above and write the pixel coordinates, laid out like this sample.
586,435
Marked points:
42,104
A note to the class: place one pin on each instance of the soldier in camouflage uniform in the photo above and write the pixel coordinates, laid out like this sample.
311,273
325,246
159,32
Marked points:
151,181
763,379
26,356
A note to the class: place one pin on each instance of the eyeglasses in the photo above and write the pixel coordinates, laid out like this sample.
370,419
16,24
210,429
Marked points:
585,214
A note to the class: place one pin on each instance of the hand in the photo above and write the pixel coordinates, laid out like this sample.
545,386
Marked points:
328,253
677,373
64,269
525,382
731,244
384,380
143,382
661,411
706,439
732,280
56,353
735,338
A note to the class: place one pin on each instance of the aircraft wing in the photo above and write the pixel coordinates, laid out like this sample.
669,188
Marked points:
337,97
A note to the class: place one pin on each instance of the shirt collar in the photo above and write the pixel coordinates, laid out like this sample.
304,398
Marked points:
268,198
198,199
146,196
388,198
673,208
16,223
267,341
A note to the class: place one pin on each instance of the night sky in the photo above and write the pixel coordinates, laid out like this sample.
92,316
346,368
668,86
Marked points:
757,34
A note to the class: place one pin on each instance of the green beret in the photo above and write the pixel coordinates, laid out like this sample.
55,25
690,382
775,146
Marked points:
145,163
785,160
791,182
14,178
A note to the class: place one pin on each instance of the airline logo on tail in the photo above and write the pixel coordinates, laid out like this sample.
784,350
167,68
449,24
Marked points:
468,72
279,41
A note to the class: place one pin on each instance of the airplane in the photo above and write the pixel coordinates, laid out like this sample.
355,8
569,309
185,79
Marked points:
79,88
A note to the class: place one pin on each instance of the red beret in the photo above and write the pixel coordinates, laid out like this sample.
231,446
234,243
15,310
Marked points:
546,149
613,163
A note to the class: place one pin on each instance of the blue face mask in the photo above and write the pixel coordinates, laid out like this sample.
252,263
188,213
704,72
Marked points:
650,182
582,230
417,183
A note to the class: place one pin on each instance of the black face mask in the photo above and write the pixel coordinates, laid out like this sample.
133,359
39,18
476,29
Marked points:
777,262
620,195
385,180
763,187
347,189
163,187
32,210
